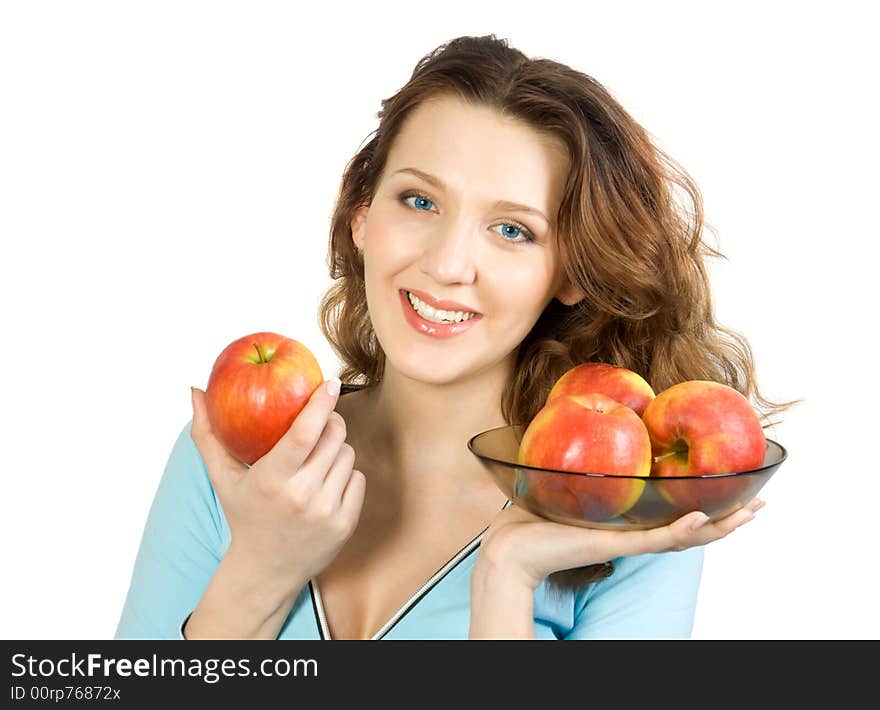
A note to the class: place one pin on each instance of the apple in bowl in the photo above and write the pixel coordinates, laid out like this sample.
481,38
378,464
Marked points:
703,428
585,434
619,383
258,385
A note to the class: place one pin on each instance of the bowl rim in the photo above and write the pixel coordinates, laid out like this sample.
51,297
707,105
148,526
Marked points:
783,455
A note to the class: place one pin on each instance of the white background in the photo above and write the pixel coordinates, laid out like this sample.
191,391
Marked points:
167,174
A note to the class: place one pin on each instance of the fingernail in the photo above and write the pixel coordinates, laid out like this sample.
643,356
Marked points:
756,505
700,522
333,386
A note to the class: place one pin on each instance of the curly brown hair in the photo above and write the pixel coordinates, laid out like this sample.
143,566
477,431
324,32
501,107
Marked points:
630,236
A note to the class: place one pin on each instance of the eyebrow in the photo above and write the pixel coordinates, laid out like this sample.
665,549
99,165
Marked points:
500,204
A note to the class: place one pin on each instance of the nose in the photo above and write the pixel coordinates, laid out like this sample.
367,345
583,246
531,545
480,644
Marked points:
450,256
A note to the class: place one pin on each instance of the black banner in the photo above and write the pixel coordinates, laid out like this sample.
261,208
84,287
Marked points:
134,673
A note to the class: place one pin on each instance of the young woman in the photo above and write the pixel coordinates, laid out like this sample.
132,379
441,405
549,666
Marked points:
507,220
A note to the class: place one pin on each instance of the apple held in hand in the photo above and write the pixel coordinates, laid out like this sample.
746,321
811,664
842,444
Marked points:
589,433
258,385
619,383
700,427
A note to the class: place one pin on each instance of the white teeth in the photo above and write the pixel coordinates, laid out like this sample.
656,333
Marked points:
437,316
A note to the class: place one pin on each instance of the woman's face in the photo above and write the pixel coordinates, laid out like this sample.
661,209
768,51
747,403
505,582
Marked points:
476,227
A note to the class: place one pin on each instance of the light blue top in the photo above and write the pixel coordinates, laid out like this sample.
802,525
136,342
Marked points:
186,535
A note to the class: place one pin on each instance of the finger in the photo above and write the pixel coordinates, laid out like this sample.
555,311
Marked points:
755,504
294,447
691,530
353,499
317,466
338,476
695,529
678,535
220,464
726,525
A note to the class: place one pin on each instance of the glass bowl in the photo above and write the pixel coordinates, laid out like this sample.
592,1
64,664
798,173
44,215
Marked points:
592,499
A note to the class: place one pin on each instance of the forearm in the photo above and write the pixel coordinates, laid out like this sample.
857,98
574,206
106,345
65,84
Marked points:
502,607
238,604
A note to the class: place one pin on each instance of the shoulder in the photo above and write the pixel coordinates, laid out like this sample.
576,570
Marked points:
646,596
185,491
662,571
183,540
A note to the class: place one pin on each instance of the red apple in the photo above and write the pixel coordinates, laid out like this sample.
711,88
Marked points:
619,383
589,433
258,384
701,427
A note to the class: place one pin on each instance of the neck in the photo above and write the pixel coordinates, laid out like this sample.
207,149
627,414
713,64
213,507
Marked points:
423,428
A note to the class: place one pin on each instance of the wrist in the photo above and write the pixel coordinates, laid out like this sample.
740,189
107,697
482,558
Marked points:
240,602
502,603
266,590
499,569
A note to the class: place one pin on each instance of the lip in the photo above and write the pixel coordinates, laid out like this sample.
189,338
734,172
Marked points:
436,330
441,304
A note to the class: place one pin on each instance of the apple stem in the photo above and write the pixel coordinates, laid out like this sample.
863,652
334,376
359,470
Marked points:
665,456
260,353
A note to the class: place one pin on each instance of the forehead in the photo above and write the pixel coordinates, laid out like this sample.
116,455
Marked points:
477,148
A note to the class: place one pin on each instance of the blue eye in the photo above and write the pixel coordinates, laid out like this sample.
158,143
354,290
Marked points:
420,200
514,232
513,227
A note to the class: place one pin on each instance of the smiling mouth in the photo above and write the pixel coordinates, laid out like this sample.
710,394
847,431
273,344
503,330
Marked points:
437,316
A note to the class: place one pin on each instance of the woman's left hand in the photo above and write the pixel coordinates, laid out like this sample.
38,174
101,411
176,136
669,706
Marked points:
529,548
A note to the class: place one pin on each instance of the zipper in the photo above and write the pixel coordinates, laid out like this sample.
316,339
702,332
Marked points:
319,607
386,627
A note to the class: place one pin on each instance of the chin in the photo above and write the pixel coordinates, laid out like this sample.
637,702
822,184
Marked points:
440,369
428,370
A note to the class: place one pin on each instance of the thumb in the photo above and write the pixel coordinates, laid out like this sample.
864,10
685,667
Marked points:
220,463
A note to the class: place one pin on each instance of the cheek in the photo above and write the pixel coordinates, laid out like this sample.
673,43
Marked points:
520,286
388,245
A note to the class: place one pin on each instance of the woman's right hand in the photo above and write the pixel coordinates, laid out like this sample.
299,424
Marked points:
293,509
